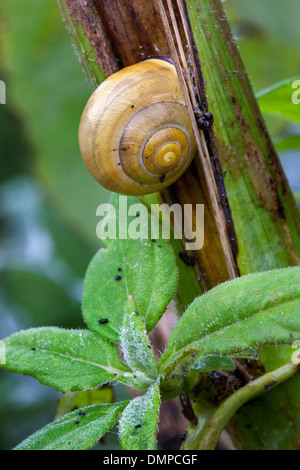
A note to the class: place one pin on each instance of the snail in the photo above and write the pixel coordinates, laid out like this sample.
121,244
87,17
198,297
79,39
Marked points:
135,135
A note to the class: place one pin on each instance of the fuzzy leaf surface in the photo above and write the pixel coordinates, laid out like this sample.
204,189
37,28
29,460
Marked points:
253,310
144,268
67,360
139,421
79,430
137,350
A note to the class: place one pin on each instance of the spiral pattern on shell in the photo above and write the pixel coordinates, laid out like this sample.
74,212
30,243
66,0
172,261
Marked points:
135,135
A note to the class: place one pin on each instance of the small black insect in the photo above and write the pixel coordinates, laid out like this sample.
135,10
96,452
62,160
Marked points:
76,422
81,413
138,426
118,278
33,349
119,269
205,121
136,313
103,320
162,178
189,260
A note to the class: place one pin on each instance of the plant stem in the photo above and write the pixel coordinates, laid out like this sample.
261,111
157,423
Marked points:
83,39
229,407
266,218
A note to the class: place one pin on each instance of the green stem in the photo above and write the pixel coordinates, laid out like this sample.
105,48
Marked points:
86,52
266,218
230,406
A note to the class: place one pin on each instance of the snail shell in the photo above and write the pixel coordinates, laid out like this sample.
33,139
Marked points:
135,135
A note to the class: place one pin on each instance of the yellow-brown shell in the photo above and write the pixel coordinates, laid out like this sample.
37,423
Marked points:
135,136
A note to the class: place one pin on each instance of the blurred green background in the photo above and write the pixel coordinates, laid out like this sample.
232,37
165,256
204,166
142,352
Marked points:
48,199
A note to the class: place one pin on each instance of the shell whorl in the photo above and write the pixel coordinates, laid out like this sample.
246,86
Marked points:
135,135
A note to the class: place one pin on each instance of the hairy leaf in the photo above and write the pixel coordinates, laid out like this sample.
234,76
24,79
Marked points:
144,268
139,421
79,430
67,360
137,349
256,309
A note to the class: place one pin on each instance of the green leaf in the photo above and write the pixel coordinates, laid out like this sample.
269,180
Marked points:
291,142
255,309
137,350
71,401
79,430
139,421
211,363
143,268
67,360
278,99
